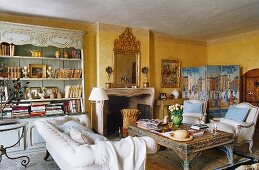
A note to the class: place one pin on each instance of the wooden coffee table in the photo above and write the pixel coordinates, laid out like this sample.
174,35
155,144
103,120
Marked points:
187,151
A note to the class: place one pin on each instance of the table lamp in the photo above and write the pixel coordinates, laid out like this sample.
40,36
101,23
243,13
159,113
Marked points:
98,94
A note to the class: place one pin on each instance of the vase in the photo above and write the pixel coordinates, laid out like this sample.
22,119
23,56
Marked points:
177,119
108,85
146,84
175,93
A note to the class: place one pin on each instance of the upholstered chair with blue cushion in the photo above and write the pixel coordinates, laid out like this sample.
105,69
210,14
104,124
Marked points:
240,120
194,111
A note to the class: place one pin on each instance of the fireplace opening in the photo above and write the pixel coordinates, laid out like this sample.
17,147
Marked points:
114,119
114,116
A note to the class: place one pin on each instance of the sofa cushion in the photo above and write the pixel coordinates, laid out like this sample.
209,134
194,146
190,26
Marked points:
189,107
237,114
87,133
93,137
78,137
59,120
191,119
72,123
224,127
230,122
197,115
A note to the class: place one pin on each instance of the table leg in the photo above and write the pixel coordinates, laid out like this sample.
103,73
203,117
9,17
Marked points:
186,165
185,157
47,155
230,155
228,149
26,159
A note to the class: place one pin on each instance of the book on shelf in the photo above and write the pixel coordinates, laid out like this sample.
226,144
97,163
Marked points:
199,126
72,106
21,115
54,112
38,107
20,110
55,108
7,113
39,103
37,113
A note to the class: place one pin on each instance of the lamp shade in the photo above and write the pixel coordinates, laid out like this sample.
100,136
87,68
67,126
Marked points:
98,94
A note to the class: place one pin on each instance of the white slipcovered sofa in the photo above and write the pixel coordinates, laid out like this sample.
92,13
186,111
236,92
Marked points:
128,153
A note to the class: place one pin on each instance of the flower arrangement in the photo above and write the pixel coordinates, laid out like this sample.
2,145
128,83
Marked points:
176,109
109,71
144,70
176,114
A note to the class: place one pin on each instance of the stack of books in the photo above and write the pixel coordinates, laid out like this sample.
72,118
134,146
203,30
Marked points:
38,108
21,110
150,124
7,112
54,109
199,126
72,106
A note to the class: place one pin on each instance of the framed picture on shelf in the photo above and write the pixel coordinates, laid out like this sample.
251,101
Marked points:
50,91
37,70
162,96
32,92
170,73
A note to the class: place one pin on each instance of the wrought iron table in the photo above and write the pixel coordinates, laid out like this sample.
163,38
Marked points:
4,128
187,151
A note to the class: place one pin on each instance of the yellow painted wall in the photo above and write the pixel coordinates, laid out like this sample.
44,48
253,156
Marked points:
189,52
89,42
154,47
242,49
106,34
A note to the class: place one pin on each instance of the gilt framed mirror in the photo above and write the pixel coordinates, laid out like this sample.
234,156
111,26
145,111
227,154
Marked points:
126,55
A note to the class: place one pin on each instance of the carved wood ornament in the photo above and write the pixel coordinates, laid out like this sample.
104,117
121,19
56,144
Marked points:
128,47
126,43
20,34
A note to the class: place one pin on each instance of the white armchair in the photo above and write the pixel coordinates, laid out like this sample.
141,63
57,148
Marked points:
243,131
194,111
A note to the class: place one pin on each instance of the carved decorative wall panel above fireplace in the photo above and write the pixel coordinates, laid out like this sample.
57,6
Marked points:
108,119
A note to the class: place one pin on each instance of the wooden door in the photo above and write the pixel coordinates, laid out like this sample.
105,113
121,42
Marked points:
251,88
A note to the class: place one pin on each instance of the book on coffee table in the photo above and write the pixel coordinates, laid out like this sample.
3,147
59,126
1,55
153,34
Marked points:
199,126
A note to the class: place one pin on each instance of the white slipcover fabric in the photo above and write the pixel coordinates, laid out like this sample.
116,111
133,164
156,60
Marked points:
69,155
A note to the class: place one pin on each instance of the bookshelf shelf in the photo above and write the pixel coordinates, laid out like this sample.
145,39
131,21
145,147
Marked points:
40,58
46,100
39,79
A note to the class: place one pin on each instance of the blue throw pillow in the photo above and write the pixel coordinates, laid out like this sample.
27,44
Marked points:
189,107
237,114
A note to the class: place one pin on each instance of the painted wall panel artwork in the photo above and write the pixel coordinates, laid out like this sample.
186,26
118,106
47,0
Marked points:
217,84
170,73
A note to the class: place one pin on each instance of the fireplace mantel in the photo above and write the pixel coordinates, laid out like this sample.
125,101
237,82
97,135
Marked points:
135,95
131,92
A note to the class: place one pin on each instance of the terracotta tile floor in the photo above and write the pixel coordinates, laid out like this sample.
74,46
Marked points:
210,159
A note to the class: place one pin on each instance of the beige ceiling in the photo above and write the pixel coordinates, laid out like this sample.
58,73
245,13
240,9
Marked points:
191,19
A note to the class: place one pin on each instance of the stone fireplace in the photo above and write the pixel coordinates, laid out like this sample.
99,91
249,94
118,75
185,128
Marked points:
108,118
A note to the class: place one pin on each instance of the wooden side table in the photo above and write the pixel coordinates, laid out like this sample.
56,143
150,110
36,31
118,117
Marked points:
167,102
